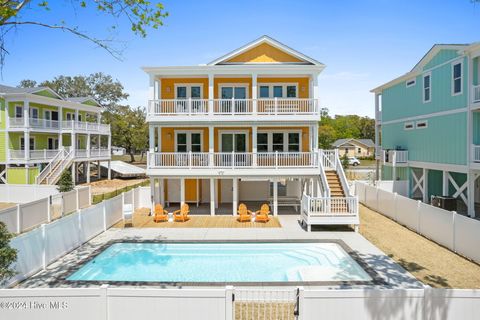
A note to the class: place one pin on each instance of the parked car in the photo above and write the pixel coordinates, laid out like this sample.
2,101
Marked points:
353,161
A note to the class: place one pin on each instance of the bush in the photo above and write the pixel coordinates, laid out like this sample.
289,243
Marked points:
345,163
65,183
8,255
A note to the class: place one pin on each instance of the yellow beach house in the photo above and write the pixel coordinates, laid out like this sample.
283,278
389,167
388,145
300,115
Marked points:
244,129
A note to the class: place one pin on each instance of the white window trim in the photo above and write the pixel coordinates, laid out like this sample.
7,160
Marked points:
420,122
72,116
460,62
31,113
20,143
189,89
428,74
55,141
285,138
15,110
407,124
411,84
189,139
237,85
270,86
222,132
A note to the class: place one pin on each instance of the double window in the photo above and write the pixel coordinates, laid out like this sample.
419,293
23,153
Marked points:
278,141
268,91
457,76
193,91
188,141
427,87
31,145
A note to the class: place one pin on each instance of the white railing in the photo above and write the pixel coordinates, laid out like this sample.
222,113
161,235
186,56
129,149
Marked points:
475,153
16,154
395,156
233,160
330,205
45,124
328,158
81,153
97,153
323,178
43,154
341,174
59,166
288,106
52,164
476,93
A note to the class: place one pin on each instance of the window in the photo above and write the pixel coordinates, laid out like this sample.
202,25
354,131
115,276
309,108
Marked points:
410,83
188,91
34,113
70,116
79,117
293,142
264,92
427,92
457,78
346,150
291,91
277,91
18,112
262,142
408,126
359,150
22,143
422,124
277,142
188,141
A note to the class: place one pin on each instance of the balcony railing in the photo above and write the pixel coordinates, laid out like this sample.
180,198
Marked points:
45,154
476,93
277,106
46,124
475,153
233,160
92,153
395,157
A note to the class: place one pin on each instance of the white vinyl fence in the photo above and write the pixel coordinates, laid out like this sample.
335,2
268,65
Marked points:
218,303
449,229
45,244
28,215
22,193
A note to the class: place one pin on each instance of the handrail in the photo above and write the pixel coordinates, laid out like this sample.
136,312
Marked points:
64,163
341,174
328,206
50,165
323,176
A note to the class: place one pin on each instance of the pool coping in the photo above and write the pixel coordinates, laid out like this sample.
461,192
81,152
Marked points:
376,279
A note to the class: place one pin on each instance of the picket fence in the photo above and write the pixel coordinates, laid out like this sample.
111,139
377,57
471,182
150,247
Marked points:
26,216
456,232
39,247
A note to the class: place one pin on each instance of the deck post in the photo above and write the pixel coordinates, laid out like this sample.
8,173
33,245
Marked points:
235,196
210,146
445,183
87,172
161,187
99,170
152,194
182,191
254,145
109,177
275,197
425,185
74,180
212,196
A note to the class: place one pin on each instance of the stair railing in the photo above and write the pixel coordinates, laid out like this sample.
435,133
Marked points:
50,166
323,176
341,175
57,171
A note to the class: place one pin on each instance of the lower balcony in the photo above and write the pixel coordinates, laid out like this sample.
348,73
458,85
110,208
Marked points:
476,94
225,163
92,153
46,155
395,157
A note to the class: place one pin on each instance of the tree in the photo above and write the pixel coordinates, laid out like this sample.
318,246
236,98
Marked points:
102,87
65,183
129,129
345,163
8,255
141,14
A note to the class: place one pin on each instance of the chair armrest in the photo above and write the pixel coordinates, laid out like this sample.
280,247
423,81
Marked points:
165,212
249,211
256,212
176,211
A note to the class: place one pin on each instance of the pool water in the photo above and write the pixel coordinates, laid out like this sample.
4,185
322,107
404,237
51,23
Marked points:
222,262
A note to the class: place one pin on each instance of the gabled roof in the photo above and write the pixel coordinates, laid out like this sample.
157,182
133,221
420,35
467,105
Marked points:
418,68
270,41
366,142
8,89
83,100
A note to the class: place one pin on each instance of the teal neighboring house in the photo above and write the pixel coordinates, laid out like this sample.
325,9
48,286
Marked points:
428,126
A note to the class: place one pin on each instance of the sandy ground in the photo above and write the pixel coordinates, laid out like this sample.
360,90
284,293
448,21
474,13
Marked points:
4,205
427,261
104,186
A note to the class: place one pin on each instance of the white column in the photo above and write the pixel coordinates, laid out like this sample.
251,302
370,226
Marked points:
162,191
87,172
254,93
254,145
182,191
211,147
74,172
316,91
99,172
471,194
99,117
152,195
151,138
377,135
315,137
425,185
275,197
88,145
26,144
445,190
73,141
109,172
26,113
109,143
212,196
216,192
210,93
159,139
151,88
235,196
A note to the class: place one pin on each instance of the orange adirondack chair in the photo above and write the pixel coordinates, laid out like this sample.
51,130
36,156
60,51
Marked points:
262,214
182,214
244,215
161,215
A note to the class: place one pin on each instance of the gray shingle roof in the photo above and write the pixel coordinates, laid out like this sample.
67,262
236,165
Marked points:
8,89
367,142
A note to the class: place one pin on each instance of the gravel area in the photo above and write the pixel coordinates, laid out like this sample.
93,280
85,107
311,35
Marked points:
4,205
429,262
104,186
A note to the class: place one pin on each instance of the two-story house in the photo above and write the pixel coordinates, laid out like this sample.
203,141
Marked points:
42,134
428,125
242,128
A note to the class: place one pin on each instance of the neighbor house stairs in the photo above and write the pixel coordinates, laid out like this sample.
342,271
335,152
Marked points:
52,172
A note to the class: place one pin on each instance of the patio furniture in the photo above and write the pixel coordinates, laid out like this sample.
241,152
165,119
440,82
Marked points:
182,214
244,215
286,202
128,212
262,214
161,215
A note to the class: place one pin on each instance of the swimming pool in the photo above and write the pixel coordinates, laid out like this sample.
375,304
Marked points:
222,263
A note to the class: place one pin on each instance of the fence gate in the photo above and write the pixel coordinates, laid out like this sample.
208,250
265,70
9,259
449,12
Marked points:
260,304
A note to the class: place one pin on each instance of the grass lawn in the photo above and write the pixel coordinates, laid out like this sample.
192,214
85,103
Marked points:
366,163
427,261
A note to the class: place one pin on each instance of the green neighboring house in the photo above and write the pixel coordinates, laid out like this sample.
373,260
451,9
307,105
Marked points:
428,126
42,134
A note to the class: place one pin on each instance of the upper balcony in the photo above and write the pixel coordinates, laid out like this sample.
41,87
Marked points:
54,125
476,94
395,157
276,109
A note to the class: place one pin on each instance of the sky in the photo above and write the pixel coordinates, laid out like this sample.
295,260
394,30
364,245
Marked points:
363,43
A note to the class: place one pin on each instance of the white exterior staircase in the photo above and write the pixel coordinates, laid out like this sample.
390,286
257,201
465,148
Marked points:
52,172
